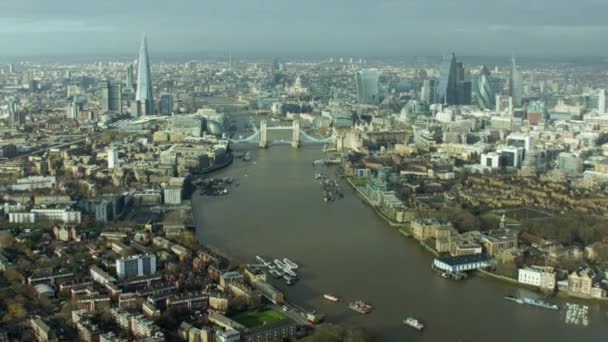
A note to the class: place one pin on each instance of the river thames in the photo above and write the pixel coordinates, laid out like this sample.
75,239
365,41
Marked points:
345,249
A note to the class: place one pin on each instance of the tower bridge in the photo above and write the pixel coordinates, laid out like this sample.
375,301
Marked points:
298,137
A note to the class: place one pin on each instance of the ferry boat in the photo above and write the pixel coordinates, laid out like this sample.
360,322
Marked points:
414,323
540,303
533,301
290,264
331,298
360,307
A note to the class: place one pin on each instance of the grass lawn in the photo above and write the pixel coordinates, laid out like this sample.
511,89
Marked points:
252,319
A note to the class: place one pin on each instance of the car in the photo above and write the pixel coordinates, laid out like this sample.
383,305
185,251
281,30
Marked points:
285,309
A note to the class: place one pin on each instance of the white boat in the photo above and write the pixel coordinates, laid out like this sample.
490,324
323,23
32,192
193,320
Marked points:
279,264
261,260
290,264
414,323
331,298
289,272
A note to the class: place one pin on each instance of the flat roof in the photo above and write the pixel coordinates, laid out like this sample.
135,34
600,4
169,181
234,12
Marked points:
464,259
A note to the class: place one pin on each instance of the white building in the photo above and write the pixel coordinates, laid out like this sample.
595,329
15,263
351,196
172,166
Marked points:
112,157
172,195
491,159
601,101
63,215
539,276
135,265
21,218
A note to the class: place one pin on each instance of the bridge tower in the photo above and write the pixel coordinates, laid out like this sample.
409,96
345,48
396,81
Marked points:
263,136
295,141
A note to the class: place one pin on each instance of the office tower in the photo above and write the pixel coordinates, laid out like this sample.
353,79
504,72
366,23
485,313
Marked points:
483,94
111,96
13,114
135,265
601,102
129,71
515,84
463,93
73,111
453,87
427,93
112,157
11,68
166,104
446,87
143,95
367,86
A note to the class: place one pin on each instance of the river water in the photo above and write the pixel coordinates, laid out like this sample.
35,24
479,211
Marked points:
345,249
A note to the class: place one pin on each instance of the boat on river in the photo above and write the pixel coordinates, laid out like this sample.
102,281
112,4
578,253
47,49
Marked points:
533,301
414,323
360,307
292,265
331,298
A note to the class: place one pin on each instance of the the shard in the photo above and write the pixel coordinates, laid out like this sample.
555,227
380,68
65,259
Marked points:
143,95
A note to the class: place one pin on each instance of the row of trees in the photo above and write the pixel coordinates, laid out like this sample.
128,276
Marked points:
572,227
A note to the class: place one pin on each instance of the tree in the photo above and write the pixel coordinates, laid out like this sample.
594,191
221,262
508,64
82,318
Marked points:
16,311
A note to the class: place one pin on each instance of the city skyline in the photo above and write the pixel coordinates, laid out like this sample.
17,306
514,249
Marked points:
384,28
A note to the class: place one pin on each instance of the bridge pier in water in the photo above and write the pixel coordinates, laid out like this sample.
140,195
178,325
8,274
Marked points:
263,135
295,141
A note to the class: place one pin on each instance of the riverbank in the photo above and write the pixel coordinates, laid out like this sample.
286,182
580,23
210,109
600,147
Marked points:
378,211
407,233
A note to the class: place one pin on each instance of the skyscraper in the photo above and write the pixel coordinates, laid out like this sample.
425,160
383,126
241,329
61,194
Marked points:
13,114
515,85
453,88
143,95
601,101
111,96
166,104
130,84
483,94
367,86
427,93
446,87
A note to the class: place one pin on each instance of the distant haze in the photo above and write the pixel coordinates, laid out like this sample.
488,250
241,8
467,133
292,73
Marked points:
349,27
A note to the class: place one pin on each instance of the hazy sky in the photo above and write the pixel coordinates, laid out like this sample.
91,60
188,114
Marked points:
370,27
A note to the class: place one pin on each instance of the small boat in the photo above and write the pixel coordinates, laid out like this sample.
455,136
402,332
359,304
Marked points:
261,260
331,298
414,323
290,273
290,264
279,263
514,299
360,307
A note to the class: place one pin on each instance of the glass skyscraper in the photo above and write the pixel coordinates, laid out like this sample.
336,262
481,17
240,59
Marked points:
516,87
446,87
483,90
367,86
143,95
